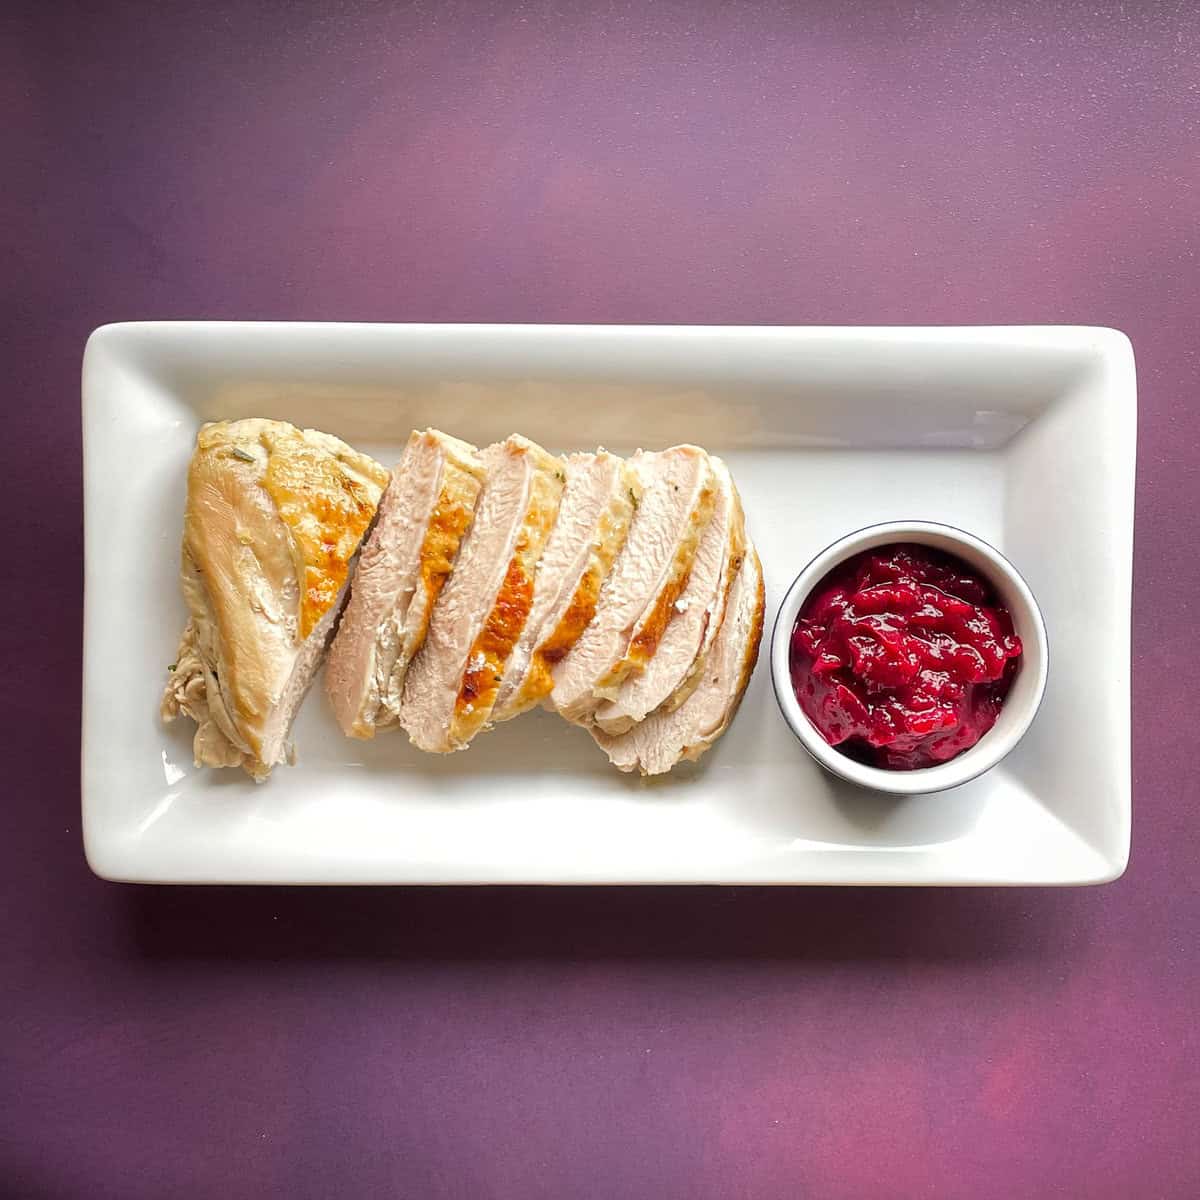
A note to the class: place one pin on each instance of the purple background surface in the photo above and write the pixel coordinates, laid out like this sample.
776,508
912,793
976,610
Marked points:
822,163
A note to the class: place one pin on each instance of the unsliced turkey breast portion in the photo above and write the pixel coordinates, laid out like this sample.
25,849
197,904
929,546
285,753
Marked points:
425,513
274,518
593,520
453,680
678,492
663,739
669,677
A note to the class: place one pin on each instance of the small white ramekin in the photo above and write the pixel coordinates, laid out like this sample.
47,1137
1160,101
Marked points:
1020,706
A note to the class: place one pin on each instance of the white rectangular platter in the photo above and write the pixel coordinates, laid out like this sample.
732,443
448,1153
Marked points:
1024,436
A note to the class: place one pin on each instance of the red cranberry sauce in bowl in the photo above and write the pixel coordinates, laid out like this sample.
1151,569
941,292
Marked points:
902,656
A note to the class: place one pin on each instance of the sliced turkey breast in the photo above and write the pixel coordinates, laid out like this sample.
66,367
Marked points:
453,680
425,513
669,677
274,517
593,520
678,494
656,744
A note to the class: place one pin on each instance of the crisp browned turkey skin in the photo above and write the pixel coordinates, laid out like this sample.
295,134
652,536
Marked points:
663,739
453,681
638,598
273,521
670,675
426,511
593,521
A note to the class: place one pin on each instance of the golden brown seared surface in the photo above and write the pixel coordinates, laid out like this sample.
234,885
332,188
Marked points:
496,640
668,675
427,509
645,640
327,497
614,527
502,628
656,744
452,683
449,523
274,516
635,604
593,521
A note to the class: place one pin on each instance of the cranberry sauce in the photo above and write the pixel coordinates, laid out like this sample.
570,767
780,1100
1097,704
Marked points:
902,656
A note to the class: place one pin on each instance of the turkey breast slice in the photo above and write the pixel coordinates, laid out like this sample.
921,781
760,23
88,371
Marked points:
663,739
597,506
425,513
273,520
670,676
678,492
452,682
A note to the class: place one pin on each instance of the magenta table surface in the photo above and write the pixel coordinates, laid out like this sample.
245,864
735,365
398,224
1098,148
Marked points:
837,163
